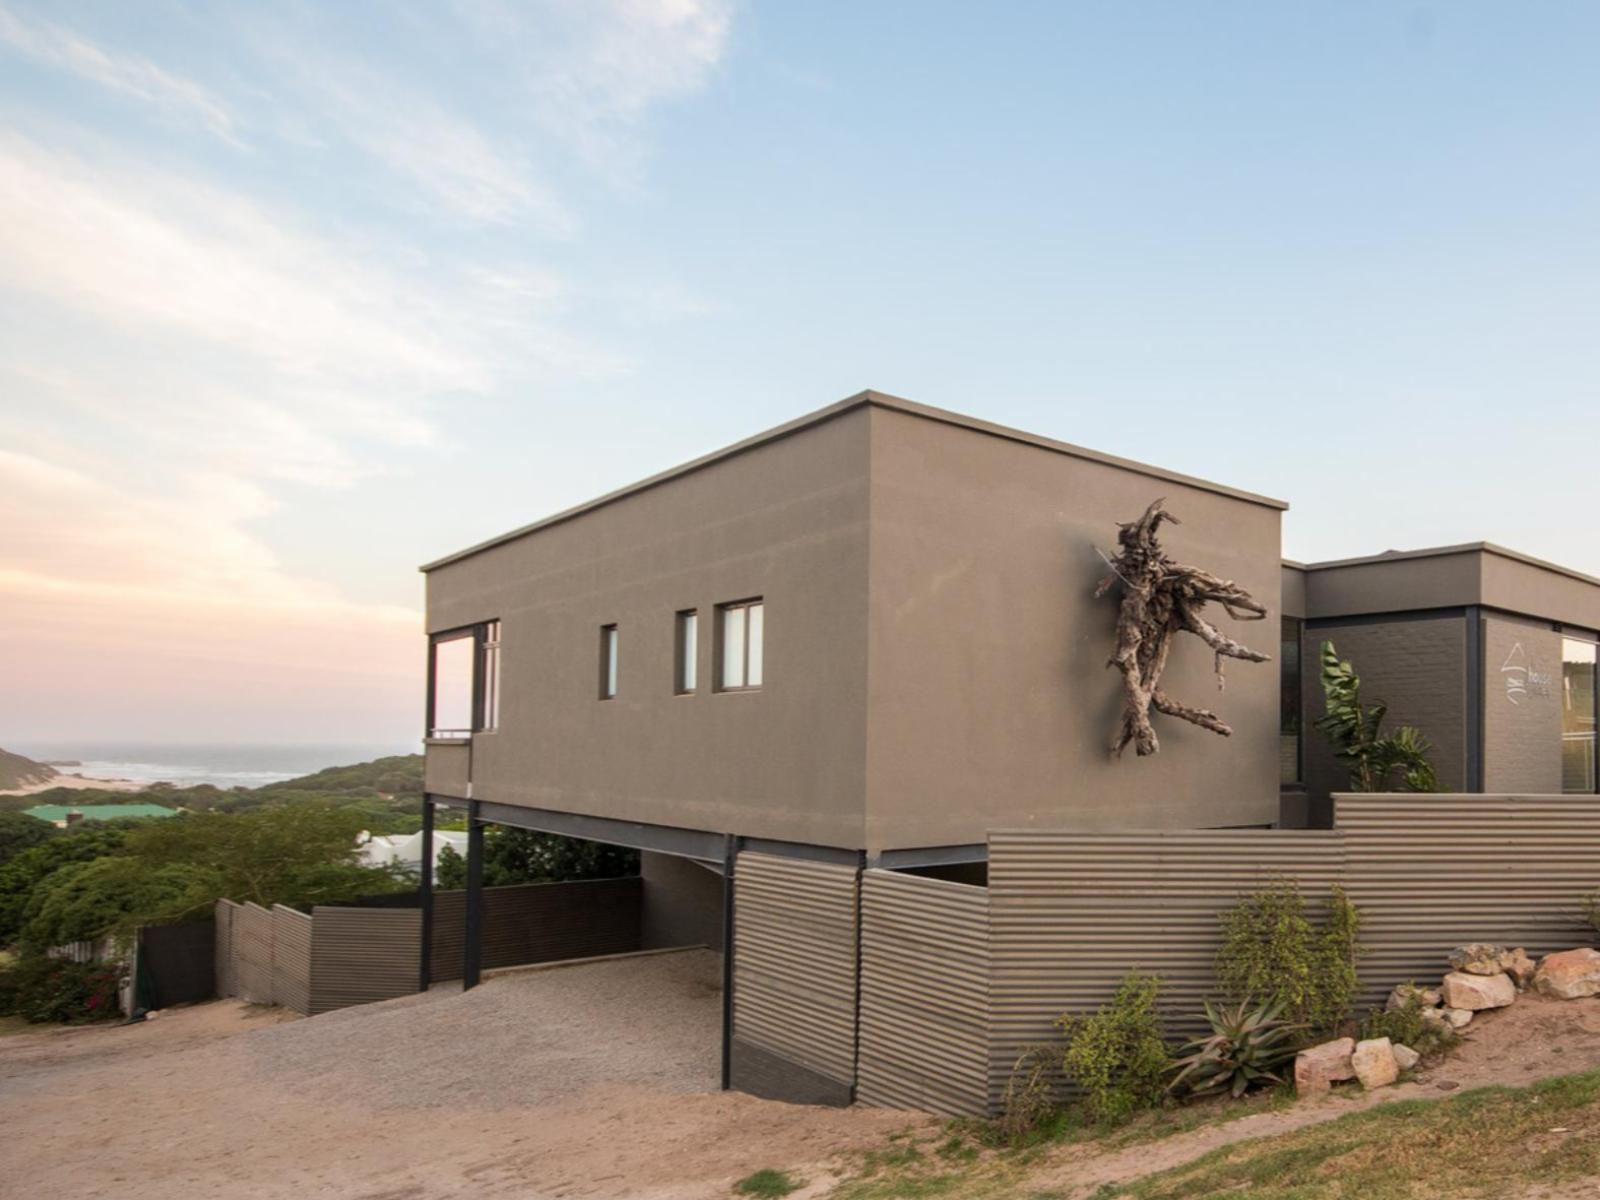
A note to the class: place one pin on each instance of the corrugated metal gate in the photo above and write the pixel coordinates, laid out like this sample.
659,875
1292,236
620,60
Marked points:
795,970
924,994
252,948
291,957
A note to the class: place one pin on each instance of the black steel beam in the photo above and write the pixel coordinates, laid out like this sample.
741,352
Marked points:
472,955
930,856
665,839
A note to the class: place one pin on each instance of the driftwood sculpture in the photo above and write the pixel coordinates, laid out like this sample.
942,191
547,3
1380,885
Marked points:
1161,598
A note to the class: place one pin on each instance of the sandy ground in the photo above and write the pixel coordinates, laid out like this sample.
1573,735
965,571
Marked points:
1531,1040
591,1081
76,783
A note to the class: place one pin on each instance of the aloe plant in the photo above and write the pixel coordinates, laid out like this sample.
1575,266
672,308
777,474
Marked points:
1248,1047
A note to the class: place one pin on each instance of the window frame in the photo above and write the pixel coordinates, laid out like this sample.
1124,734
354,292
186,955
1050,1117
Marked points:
685,658
610,661
1593,663
485,708
719,666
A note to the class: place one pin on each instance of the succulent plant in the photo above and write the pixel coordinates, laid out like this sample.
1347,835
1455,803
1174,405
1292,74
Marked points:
1249,1046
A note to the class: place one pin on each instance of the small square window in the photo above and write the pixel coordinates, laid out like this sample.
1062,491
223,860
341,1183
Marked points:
687,637
608,662
739,645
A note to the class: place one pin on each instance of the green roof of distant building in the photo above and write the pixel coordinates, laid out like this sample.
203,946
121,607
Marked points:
55,813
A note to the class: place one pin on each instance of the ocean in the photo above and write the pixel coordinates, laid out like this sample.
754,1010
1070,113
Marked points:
220,765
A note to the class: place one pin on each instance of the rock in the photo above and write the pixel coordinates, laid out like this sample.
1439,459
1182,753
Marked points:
1374,1063
1404,991
1478,958
1519,966
1318,1068
1477,992
1569,974
1457,1018
1405,1057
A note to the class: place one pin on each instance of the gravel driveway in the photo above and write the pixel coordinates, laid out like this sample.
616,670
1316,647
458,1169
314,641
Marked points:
587,1081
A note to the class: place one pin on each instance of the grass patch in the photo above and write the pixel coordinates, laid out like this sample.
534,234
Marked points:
767,1183
1480,1143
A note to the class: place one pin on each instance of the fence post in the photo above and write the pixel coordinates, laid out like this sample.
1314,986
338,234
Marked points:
472,953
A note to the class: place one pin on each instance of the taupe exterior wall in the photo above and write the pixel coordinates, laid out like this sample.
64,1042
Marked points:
682,903
989,699
785,520
1521,706
1419,667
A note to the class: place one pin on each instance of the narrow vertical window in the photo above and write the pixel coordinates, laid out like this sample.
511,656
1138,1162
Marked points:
739,646
1578,739
491,676
688,649
608,662
1289,751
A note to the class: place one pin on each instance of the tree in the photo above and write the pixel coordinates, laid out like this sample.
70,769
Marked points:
113,896
1161,599
1377,762
527,856
286,854
19,832
25,872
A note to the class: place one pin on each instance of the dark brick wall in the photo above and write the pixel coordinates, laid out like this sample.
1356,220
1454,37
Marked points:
1418,667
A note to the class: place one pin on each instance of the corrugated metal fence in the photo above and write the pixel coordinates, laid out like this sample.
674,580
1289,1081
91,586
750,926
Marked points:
1430,872
924,994
360,955
291,958
539,922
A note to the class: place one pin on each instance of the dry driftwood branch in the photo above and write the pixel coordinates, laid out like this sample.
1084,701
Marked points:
1161,598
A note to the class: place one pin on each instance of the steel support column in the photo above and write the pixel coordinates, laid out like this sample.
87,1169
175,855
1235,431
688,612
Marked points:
425,898
730,853
472,954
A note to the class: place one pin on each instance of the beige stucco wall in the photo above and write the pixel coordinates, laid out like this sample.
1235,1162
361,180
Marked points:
1418,667
1521,706
990,701
786,520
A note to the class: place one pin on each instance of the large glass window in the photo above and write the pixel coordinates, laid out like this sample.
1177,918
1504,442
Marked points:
740,654
1289,771
450,707
1578,746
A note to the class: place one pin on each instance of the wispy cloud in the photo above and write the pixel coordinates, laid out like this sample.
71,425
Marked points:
124,73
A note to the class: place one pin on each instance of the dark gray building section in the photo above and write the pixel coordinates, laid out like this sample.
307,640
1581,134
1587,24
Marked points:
1466,643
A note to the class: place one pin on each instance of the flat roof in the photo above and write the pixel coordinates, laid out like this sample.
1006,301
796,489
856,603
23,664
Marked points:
1443,551
863,399
98,812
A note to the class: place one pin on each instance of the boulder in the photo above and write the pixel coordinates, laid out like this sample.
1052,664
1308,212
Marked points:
1569,974
1318,1068
1374,1063
1405,1057
1478,958
1477,992
1519,966
1457,1018
1397,999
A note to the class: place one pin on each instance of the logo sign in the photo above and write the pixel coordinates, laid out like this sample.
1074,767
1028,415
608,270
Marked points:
1521,679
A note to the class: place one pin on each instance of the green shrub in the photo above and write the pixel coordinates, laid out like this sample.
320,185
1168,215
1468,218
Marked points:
42,989
1248,1047
1406,1026
768,1183
1271,949
1027,1102
1118,1055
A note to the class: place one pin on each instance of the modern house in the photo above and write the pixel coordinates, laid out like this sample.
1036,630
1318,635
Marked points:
869,637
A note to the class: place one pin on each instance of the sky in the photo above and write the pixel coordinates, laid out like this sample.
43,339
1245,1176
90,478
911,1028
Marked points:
296,297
